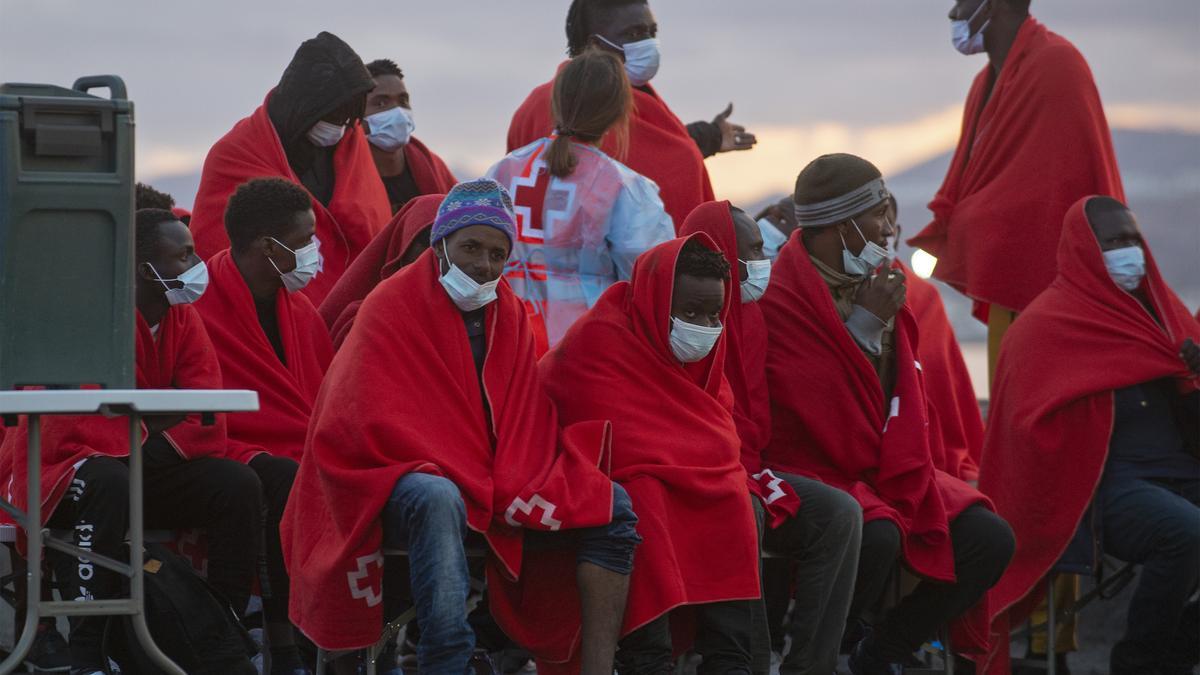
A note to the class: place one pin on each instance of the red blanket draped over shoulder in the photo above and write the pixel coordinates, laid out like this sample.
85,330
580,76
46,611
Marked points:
248,361
659,146
954,410
745,338
1026,153
428,171
403,396
378,261
829,420
180,357
359,207
675,446
1052,405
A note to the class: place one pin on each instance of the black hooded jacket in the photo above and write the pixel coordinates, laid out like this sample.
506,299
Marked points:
325,75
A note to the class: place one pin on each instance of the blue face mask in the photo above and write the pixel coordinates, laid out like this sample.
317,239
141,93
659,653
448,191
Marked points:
961,36
466,293
1126,266
773,238
641,59
691,343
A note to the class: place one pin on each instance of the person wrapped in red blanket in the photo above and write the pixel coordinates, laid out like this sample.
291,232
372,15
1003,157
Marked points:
660,147
269,338
401,242
1034,140
407,167
305,131
1095,405
649,356
821,541
187,483
432,424
848,407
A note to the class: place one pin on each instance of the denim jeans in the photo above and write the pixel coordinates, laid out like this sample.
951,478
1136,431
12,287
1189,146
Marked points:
426,515
1155,523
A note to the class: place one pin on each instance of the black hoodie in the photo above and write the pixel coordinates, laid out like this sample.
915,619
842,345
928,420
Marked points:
323,76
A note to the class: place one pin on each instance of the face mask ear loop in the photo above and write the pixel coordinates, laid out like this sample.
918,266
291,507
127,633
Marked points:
446,254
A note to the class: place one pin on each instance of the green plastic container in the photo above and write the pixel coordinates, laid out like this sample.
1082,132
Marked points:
66,235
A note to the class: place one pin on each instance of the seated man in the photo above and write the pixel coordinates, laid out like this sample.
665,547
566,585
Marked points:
649,356
432,424
1095,405
85,474
407,167
400,243
822,539
306,130
269,338
848,406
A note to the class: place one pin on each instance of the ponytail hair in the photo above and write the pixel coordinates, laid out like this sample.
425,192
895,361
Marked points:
591,98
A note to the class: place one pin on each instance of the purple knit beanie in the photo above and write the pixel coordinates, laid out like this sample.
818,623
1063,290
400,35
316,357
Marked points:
475,202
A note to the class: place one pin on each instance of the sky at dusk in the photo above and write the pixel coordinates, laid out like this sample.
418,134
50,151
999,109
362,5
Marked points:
874,77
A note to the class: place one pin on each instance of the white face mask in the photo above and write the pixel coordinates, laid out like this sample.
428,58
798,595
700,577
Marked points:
308,263
391,129
641,59
691,343
868,260
194,280
773,238
962,38
468,295
758,275
324,134
1126,266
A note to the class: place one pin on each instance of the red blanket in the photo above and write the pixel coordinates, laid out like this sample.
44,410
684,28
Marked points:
285,392
746,367
675,446
829,418
1052,405
1026,153
403,396
252,149
181,357
428,171
378,261
954,410
659,147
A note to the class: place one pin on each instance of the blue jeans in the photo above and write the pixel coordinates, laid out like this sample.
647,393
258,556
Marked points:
426,515
1155,523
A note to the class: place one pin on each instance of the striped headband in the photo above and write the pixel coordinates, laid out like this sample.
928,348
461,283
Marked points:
841,208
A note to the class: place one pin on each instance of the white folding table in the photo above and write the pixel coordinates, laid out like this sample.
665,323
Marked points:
131,403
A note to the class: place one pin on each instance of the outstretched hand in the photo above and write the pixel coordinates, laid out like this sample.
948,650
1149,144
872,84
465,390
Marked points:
733,136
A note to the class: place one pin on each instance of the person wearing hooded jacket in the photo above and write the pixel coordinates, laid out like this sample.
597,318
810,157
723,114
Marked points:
306,131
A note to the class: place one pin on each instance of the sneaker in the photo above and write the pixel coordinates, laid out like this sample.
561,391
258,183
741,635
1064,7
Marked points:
863,662
49,652
481,664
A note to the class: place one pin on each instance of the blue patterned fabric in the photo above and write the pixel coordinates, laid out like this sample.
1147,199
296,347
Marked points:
475,202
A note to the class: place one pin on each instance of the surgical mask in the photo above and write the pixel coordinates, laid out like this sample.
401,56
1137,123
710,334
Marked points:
468,295
641,59
773,238
194,281
308,263
391,129
962,38
1126,266
868,260
324,134
758,275
691,343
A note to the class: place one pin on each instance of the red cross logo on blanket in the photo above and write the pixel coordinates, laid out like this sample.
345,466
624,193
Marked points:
356,577
526,507
773,485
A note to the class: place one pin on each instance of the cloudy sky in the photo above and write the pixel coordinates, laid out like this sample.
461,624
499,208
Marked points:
876,77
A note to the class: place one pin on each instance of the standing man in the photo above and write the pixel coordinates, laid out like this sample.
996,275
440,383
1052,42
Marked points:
660,146
408,168
1034,140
